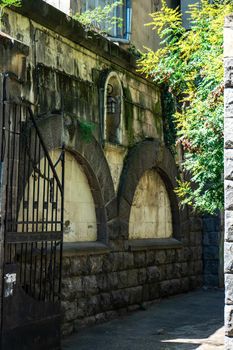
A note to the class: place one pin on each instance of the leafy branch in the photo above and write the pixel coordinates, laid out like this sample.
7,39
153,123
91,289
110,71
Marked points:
7,3
191,64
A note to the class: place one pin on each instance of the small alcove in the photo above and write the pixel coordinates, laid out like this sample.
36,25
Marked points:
113,109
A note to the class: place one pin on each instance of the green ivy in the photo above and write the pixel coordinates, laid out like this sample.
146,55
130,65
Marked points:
7,3
86,129
169,127
191,64
129,115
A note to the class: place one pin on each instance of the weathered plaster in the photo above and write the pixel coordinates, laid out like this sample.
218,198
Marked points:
115,155
150,215
80,222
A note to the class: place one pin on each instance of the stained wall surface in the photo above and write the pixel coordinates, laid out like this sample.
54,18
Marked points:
80,223
150,215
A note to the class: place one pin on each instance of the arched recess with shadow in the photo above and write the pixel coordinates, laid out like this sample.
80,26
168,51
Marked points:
58,131
144,156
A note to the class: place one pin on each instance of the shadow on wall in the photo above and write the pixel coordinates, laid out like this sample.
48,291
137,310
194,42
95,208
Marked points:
212,251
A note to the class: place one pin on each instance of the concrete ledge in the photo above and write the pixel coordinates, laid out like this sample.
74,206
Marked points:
85,248
7,41
152,244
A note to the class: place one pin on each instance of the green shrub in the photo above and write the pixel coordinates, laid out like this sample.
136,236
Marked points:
191,63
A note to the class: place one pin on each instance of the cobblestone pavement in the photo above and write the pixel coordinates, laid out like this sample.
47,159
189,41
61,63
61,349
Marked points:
184,322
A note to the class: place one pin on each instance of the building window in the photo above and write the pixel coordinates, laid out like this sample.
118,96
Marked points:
122,11
113,109
185,8
61,5
150,215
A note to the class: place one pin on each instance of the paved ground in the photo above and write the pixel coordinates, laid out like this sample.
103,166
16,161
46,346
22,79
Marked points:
184,322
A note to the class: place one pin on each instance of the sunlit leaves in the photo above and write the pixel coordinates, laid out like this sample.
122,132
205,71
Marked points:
10,3
191,62
7,3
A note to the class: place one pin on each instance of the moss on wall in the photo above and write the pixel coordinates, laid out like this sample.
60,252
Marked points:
86,129
168,110
129,115
157,114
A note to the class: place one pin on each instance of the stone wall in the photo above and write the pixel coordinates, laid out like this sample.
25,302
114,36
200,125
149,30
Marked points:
64,74
97,288
228,256
212,251
129,274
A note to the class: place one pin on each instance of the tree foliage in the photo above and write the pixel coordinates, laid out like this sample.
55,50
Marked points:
191,63
100,19
7,3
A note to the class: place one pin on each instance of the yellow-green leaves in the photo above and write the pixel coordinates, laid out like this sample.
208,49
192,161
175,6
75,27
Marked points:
4,3
166,18
191,64
7,3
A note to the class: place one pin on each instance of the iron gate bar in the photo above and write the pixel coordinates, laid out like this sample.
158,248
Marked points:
50,236
33,230
46,151
33,237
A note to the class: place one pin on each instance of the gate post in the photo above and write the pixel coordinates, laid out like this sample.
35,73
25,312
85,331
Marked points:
3,181
3,163
2,212
12,61
228,179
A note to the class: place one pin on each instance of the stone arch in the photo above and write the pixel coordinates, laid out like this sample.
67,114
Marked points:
80,201
150,214
148,154
58,131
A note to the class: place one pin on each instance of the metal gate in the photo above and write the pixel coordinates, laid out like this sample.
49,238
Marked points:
33,239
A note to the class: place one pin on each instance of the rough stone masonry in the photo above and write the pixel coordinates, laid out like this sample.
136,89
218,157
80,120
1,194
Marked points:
228,160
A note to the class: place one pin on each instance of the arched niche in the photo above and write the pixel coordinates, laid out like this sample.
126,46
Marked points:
90,158
150,214
113,109
80,221
144,156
